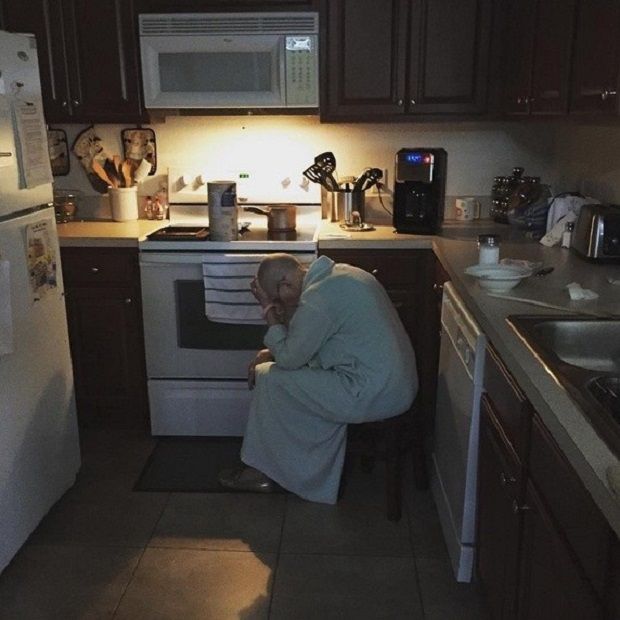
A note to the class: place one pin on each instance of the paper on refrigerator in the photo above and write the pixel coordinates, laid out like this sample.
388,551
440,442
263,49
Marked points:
41,260
31,144
6,315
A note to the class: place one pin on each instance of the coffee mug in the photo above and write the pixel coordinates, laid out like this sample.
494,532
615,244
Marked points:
467,209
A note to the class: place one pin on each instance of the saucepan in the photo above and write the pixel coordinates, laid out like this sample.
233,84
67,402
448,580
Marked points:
280,218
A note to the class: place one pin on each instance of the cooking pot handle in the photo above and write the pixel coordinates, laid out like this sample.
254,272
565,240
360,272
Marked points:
256,210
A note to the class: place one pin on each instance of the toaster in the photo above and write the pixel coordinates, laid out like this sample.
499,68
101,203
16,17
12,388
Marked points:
597,233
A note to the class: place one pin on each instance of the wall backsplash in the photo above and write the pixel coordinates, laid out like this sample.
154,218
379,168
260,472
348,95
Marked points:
275,149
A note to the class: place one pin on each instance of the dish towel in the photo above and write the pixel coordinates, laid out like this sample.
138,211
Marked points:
228,298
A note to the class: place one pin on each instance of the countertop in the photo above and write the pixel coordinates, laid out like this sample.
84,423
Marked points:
456,248
106,233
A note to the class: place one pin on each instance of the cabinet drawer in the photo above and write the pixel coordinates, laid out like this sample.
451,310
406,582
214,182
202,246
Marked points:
570,506
99,266
510,404
390,267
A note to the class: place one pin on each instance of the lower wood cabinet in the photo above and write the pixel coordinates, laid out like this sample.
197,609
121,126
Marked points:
409,279
104,313
544,549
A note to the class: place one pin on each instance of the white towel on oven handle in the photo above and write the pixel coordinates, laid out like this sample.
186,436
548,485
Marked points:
228,298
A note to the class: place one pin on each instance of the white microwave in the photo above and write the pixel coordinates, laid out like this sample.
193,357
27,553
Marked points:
230,60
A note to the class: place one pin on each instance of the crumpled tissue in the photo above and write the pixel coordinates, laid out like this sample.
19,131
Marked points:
576,292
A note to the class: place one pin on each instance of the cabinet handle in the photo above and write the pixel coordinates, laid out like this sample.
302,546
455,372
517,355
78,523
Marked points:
520,508
6,154
76,102
506,479
412,101
128,300
64,103
519,100
374,272
608,93
95,269
400,102
438,288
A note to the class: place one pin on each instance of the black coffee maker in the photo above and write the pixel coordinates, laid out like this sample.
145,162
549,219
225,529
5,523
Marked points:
419,190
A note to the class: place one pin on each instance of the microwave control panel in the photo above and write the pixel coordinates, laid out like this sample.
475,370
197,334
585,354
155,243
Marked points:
302,71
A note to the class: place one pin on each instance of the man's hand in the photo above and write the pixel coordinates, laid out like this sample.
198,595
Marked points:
264,355
260,294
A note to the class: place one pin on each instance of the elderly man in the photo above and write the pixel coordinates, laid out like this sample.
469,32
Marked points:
337,353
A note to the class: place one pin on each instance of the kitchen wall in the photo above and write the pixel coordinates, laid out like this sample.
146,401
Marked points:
274,149
588,159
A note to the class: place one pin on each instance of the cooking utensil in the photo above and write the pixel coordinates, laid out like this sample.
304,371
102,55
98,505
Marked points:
280,218
112,173
368,179
97,168
316,174
326,160
127,171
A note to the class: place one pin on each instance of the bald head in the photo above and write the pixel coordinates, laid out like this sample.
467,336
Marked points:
277,268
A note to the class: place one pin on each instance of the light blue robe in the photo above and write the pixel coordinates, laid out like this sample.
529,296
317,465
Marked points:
344,358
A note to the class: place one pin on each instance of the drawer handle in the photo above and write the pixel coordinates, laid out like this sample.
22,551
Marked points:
520,508
437,287
128,300
374,272
95,269
506,479
607,93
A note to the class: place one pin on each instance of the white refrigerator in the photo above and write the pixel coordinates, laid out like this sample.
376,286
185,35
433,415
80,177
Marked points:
39,446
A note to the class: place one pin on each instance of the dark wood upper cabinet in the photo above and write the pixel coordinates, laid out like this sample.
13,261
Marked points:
596,57
389,58
449,56
539,36
87,57
365,59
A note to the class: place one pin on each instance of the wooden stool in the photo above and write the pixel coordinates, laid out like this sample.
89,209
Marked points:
388,440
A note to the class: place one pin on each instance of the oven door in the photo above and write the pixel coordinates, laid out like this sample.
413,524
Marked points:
180,341
210,71
197,369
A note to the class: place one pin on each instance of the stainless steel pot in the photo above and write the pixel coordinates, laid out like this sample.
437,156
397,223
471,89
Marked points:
280,218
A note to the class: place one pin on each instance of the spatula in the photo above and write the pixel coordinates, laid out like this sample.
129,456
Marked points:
97,168
127,169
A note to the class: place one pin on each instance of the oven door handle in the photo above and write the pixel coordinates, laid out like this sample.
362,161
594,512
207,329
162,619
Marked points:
172,259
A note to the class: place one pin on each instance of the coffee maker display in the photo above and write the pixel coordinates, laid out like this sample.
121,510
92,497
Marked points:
419,190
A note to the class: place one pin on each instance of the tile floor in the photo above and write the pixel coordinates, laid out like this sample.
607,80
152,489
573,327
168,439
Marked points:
104,551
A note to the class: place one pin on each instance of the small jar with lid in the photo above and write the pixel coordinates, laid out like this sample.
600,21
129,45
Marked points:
488,246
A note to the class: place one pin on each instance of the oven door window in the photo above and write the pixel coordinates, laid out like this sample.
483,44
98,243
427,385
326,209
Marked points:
196,331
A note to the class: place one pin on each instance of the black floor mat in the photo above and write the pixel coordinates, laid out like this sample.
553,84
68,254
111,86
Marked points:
189,464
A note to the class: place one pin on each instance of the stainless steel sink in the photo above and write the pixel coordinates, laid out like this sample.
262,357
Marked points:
583,354
587,343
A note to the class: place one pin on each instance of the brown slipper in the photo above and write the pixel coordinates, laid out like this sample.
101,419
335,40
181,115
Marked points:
246,479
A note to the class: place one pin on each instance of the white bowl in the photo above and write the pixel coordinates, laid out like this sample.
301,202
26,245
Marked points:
498,278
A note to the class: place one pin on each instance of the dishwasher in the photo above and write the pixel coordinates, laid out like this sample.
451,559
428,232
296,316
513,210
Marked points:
457,424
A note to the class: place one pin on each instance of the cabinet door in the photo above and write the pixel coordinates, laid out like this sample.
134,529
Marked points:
499,482
180,6
518,56
596,57
43,18
363,61
552,584
449,56
555,20
107,348
101,48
